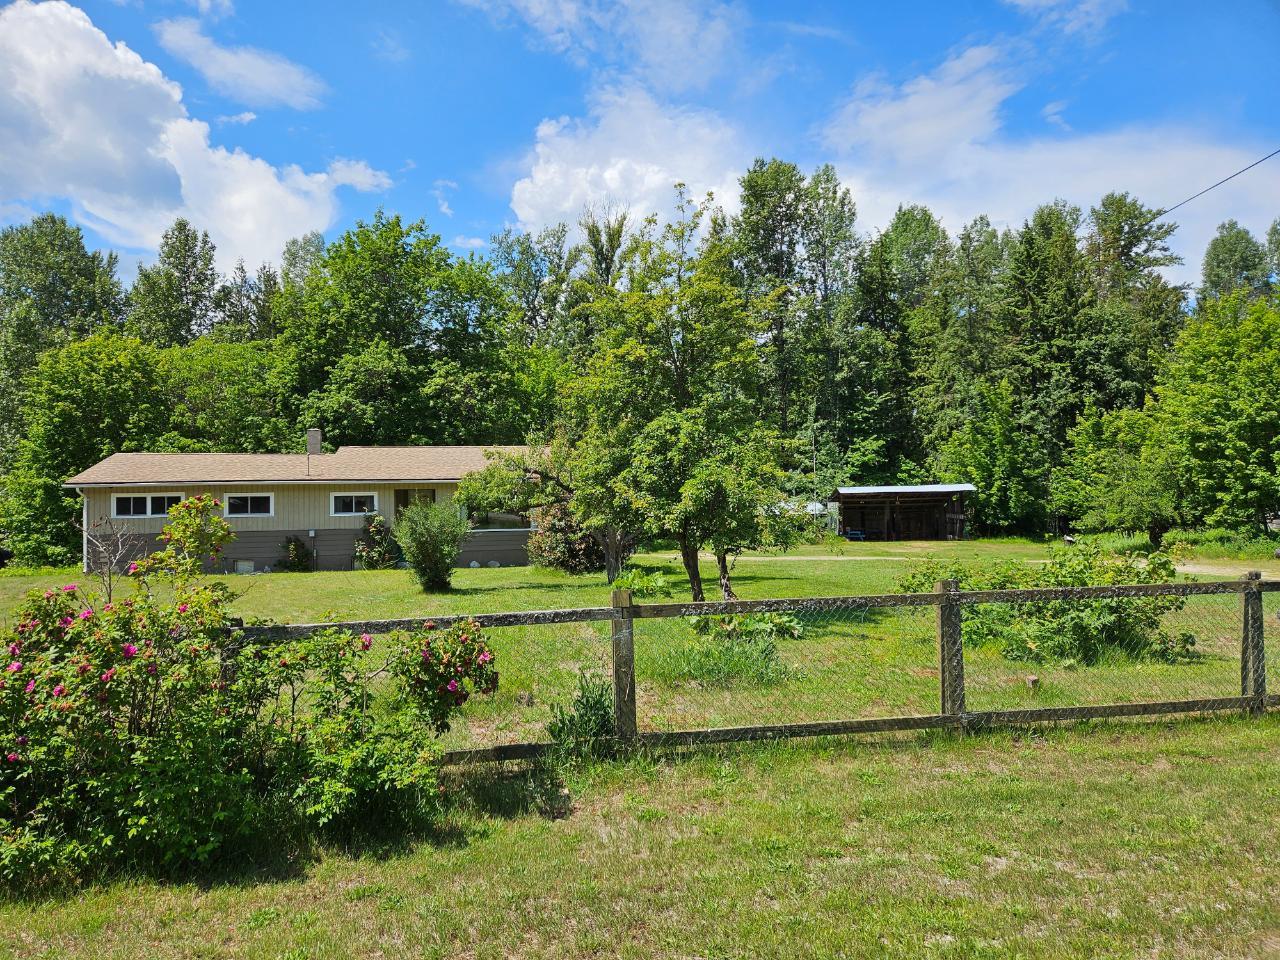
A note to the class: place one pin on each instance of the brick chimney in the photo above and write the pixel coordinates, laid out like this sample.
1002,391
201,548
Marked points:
315,442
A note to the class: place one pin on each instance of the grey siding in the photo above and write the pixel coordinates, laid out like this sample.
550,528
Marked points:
335,549
509,548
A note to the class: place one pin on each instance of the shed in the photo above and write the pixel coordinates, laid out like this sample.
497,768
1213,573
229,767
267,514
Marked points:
927,511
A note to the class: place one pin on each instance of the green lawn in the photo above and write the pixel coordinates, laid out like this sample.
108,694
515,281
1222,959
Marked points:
846,665
1138,840
807,571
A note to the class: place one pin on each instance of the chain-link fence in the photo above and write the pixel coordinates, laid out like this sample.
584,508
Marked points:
684,673
1100,651
834,661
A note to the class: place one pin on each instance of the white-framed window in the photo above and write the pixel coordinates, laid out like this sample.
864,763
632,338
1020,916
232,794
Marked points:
352,504
140,506
249,505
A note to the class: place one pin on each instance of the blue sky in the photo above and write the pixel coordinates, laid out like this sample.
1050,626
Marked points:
263,120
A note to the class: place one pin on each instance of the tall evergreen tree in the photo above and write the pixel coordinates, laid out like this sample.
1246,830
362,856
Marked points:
175,300
768,234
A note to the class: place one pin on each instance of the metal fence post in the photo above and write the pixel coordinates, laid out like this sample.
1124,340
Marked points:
950,650
1253,662
624,669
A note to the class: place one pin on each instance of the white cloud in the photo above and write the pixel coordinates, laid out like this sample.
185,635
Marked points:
462,242
388,45
1052,113
930,117
248,75
1086,17
94,123
629,151
440,190
239,119
902,156
213,8
672,45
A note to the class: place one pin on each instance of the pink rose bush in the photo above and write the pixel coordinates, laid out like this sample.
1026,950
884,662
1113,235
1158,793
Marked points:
146,732
441,669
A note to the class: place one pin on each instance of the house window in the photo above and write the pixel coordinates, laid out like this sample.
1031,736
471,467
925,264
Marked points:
353,504
250,504
135,506
162,503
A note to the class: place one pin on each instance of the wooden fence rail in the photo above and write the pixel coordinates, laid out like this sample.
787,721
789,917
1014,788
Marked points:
947,598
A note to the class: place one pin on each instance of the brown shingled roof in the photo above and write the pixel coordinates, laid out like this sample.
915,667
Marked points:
348,464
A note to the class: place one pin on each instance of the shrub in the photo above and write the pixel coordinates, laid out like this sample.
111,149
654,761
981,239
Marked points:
376,549
727,648
431,537
141,732
585,727
298,557
441,669
643,585
1066,631
561,543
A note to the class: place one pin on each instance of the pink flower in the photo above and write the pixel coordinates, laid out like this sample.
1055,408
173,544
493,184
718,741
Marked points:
151,668
485,657
182,608
129,651
452,686
67,621
31,685
13,649
59,690
14,667
366,641
13,758
86,614
70,588
106,677
108,607
133,568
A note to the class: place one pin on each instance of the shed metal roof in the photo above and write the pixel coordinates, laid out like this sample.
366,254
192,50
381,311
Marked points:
924,488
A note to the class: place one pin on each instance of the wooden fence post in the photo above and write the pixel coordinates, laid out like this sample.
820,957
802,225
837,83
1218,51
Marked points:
950,650
624,669
1253,661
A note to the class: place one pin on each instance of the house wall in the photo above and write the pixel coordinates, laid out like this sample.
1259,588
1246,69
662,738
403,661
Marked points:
299,510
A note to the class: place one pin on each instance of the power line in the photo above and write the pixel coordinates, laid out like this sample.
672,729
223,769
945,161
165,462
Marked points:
1169,210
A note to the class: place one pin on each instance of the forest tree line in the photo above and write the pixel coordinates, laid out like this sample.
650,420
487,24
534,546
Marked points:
692,369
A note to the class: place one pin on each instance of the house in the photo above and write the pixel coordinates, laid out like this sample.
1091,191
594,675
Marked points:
320,498
930,511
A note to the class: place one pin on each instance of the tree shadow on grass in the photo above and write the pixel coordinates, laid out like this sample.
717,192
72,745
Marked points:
280,856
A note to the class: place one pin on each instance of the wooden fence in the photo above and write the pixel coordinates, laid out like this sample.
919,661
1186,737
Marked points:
949,602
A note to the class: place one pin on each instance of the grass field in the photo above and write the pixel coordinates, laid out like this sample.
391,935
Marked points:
844,569
1124,840
1141,840
846,665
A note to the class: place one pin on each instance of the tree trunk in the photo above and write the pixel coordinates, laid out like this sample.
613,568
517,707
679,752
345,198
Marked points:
689,556
1155,533
726,588
615,544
